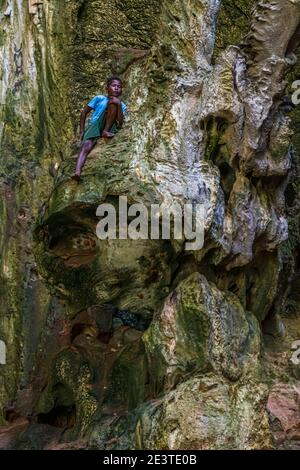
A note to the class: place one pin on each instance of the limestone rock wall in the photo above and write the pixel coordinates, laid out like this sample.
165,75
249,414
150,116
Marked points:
139,343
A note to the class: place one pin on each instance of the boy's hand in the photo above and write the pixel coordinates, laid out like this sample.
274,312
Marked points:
114,100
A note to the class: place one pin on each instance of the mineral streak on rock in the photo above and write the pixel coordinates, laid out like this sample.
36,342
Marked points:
122,344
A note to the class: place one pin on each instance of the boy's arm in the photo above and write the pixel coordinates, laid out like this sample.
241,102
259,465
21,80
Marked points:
86,110
120,115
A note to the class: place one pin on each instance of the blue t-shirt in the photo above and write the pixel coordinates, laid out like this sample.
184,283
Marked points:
99,103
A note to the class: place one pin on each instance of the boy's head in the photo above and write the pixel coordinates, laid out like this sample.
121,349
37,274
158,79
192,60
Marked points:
114,86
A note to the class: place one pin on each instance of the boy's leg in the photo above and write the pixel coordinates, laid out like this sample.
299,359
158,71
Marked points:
111,115
84,151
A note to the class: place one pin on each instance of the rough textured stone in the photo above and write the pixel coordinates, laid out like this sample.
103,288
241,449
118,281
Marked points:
206,413
199,329
116,344
284,412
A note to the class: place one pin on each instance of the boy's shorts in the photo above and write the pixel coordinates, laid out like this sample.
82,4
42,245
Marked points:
95,129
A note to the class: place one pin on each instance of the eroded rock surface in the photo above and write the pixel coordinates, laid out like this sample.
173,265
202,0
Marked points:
140,343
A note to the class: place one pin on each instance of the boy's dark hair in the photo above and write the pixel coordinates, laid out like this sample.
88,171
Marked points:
111,79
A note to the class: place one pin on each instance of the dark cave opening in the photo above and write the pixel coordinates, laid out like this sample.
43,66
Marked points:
227,179
290,195
60,417
217,152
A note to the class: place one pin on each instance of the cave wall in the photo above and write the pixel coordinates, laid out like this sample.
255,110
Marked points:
120,344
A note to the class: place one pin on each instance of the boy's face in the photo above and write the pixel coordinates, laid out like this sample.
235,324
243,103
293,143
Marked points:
115,88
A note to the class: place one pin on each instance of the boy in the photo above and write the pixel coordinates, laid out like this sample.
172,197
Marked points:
106,120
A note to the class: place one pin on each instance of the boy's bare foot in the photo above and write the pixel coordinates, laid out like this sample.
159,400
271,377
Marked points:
107,134
76,177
